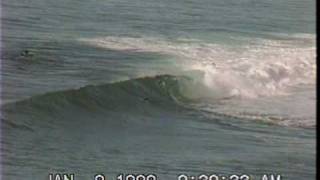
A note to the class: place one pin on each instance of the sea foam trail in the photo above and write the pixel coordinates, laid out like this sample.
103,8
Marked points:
261,68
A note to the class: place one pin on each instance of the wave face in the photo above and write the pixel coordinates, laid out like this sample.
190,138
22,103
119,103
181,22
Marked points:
132,95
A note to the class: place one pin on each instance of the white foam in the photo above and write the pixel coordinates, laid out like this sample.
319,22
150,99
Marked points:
264,68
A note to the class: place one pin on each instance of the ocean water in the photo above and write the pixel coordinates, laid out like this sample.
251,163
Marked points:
158,87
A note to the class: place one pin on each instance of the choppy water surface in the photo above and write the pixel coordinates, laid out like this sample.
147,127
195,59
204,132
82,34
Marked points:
163,87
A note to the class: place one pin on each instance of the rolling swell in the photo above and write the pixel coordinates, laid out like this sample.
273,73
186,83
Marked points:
142,96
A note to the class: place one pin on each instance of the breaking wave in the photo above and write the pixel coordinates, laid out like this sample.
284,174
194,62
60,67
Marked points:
253,82
148,96
262,68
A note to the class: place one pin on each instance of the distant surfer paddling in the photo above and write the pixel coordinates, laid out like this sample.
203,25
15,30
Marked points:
26,53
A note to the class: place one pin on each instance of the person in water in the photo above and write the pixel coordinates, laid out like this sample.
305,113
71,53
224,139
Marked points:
26,53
